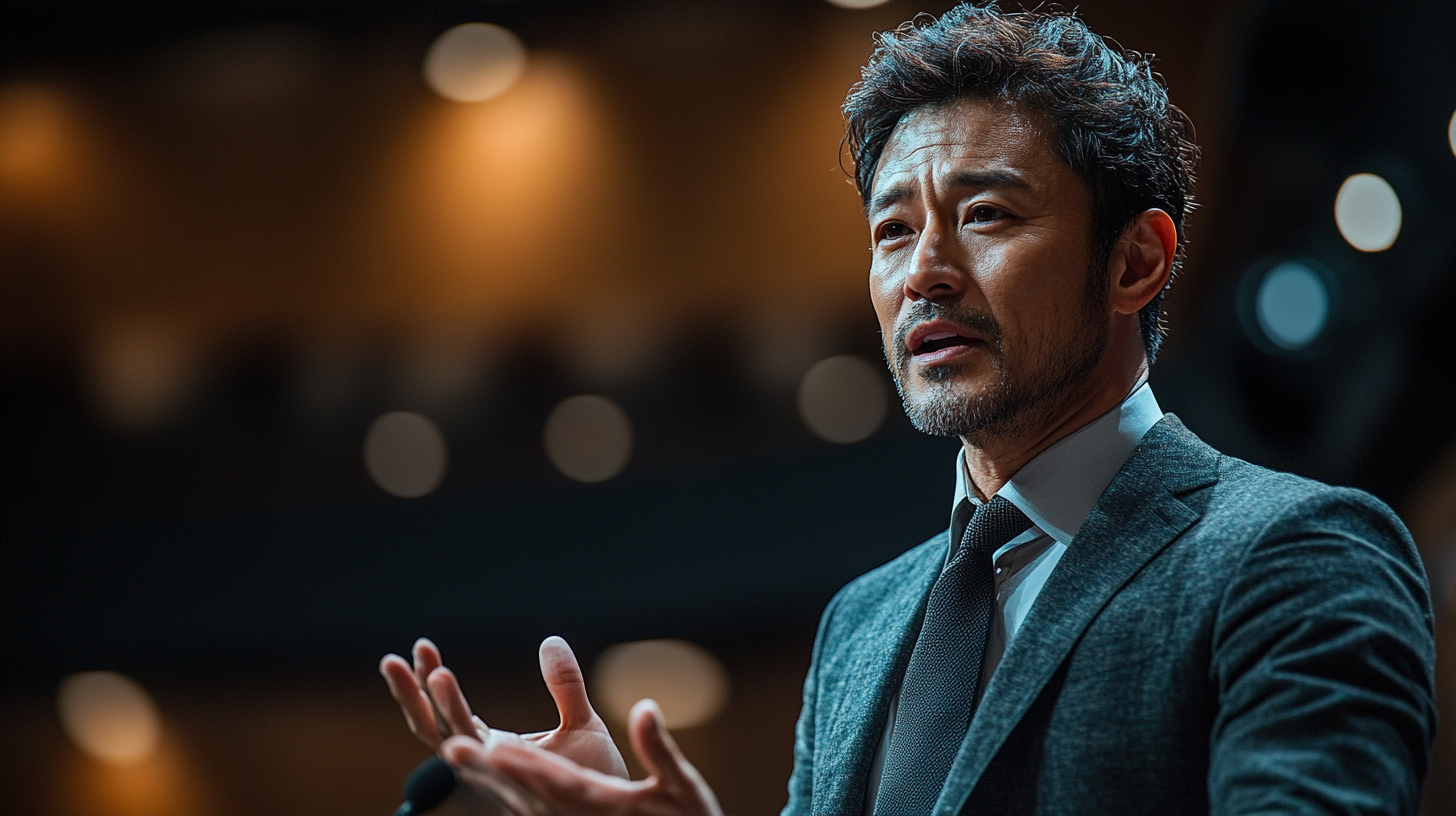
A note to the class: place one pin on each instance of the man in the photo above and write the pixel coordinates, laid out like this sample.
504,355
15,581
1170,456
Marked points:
1119,619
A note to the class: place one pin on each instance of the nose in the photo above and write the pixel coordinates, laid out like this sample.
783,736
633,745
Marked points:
935,270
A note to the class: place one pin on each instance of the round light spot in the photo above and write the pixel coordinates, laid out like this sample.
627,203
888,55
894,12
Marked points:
1367,211
109,716
474,62
1292,305
843,399
686,680
857,4
143,374
405,454
34,125
588,438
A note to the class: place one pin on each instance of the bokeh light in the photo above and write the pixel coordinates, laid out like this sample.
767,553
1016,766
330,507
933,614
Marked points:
1292,305
588,438
405,454
857,4
142,374
843,399
474,62
109,716
531,155
1367,211
1451,133
32,131
686,680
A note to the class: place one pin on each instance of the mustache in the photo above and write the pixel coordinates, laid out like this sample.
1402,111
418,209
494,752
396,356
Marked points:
962,316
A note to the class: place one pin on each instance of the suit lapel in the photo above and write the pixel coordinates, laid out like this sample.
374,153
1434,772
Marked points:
1138,515
867,665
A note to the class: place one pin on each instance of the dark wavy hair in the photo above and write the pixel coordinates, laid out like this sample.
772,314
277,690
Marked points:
1113,122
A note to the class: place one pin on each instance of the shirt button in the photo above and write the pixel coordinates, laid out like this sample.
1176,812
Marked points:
998,570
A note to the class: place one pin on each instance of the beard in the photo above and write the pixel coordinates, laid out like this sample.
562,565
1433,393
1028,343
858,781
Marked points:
1027,390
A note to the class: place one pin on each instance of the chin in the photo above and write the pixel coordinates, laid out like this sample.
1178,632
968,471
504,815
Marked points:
955,406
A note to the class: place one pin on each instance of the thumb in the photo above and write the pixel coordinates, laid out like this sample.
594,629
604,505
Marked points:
565,682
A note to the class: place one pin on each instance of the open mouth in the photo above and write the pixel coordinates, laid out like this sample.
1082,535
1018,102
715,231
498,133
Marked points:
943,340
939,341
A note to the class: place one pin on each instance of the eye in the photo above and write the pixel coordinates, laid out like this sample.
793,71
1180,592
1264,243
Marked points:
985,213
893,230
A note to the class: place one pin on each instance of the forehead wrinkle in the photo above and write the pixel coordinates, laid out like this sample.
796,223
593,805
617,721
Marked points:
948,173
995,140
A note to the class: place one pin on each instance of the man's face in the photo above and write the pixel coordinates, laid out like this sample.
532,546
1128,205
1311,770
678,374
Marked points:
980,271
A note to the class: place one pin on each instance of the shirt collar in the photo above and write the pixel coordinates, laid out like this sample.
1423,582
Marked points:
1058,489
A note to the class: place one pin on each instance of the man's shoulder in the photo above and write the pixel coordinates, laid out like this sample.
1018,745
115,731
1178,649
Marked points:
1246,501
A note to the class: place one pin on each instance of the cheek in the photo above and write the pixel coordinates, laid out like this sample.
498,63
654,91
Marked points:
886,296
1031,292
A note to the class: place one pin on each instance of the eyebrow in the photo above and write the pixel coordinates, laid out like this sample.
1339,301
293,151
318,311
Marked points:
982,179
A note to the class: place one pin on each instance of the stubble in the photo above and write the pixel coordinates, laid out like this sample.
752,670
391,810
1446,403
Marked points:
1027,389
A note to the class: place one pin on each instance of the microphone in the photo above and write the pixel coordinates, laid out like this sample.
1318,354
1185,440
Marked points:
429,784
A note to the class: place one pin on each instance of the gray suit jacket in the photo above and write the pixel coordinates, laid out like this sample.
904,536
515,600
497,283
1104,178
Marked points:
1218,638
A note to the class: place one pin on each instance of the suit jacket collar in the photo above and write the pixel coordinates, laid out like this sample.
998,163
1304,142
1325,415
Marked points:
1139,515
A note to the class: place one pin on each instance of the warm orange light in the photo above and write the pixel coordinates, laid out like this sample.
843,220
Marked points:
162,785
130,767
496,199
686,680
33,134
58,174
109,716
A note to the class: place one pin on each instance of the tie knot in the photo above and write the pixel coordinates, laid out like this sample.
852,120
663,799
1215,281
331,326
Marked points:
995,523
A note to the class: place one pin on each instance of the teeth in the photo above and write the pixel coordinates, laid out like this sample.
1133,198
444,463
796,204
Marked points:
938,336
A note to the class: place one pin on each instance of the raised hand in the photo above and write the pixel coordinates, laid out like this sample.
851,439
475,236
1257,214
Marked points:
435,708
675,788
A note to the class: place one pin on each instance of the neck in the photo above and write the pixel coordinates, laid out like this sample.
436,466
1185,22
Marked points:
991,463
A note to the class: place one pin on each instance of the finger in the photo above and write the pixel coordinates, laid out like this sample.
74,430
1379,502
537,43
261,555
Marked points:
565,682
418,712
445,691
427,659
657,749
561,783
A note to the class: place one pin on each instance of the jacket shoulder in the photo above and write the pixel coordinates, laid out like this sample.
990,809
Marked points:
1265,502
1245,502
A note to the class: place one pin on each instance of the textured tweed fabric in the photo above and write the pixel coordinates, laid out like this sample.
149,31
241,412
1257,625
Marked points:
1218,638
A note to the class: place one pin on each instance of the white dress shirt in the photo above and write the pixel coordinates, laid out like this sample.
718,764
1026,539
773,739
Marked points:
1056,490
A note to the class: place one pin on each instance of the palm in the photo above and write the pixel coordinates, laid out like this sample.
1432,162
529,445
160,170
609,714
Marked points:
589,745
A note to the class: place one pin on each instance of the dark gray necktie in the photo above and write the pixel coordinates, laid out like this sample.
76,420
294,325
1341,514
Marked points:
938,694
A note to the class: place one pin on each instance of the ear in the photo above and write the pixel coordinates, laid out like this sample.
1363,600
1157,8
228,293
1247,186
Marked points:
1142,261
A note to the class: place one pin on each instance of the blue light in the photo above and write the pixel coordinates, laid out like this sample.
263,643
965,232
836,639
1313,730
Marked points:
1292,306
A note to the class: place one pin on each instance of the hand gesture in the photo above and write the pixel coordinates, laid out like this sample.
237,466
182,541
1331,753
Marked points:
435,708
675,788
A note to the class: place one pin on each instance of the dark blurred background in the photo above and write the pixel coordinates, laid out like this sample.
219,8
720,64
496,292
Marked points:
301,358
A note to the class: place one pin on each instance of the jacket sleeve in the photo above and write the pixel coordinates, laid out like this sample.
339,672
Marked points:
801,783
1323,658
